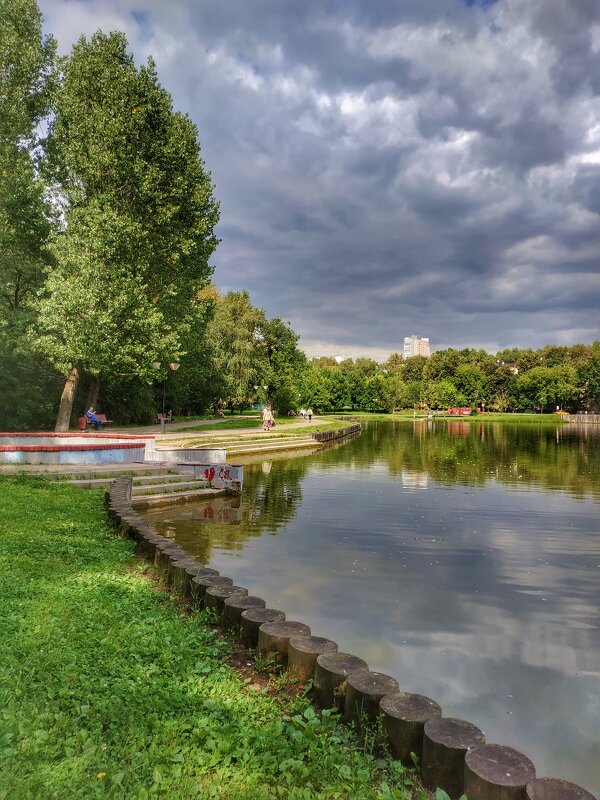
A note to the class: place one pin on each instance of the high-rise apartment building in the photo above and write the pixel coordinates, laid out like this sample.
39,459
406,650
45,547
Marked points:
416,346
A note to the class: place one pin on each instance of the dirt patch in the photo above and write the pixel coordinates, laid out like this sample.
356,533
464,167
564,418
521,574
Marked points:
269,678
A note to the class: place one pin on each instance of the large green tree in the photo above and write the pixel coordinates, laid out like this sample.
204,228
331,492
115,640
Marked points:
282,363
544,388
139,219
238,359
26,65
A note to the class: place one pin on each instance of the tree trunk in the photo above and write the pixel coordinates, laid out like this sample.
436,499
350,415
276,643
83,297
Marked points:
66,401
93,392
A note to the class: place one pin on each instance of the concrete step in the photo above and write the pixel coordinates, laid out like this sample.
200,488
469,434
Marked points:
164,488
92,483
161,478
212,444
266,447
146,501
165,477
77,472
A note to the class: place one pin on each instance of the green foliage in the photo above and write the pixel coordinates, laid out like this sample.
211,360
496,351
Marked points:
589,379
127,400
29,384
440,794
458,378
544,387
283,363
108,690
238,362
443,394
472,383
26,61
139,217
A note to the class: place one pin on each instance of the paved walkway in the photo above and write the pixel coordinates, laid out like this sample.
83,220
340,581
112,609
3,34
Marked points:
176,430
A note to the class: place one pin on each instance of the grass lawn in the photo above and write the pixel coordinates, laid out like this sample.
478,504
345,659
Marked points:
109,690
488,417
237,423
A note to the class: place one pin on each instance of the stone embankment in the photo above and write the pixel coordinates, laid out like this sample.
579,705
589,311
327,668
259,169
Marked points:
583,419
452,754
252,443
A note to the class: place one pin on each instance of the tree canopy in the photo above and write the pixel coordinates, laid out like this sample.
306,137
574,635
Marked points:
138,219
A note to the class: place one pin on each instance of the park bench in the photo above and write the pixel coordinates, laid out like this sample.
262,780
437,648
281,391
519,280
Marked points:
83,422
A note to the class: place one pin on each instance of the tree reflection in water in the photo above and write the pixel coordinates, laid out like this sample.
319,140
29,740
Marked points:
460,452
269,501
445,451
461,558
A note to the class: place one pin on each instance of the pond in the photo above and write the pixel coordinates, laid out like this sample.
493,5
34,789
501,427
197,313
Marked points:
461,558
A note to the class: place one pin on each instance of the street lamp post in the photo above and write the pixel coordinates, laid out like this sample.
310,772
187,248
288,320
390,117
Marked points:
173,366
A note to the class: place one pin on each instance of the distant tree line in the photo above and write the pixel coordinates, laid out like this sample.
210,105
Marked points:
107,220
511,380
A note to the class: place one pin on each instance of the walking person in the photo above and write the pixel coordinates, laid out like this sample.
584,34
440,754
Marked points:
303,413
309,413
267,417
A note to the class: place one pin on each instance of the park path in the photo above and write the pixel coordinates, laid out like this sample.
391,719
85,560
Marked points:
176,430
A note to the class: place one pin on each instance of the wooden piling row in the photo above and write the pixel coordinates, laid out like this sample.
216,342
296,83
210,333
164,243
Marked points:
452,754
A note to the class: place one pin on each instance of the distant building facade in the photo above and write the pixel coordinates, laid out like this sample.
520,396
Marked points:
416,346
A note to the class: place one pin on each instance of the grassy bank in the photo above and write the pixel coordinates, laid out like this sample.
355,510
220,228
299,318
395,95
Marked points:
107,689
237,423
488,417
279,432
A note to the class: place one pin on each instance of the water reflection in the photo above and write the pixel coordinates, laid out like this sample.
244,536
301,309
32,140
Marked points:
269,501
463,561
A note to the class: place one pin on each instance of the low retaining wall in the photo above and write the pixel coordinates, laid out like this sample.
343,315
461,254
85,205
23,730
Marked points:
219,476
452,754
583,419
188,455
72,448
339,433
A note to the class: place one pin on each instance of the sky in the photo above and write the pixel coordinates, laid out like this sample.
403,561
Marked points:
390,168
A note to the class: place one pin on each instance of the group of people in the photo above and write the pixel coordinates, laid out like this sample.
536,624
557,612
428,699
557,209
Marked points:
269,420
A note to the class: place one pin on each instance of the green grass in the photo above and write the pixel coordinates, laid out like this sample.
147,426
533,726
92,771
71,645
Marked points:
488,417
108,690
279,433
515,419
236,424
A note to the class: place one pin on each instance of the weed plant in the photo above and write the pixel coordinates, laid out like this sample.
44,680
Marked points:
108,689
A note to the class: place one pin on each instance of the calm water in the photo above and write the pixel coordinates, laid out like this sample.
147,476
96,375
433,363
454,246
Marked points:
462,559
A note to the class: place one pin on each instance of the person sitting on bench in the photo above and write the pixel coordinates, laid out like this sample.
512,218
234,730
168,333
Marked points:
92,418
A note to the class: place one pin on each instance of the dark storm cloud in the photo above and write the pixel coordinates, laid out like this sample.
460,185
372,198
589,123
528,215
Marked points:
384,170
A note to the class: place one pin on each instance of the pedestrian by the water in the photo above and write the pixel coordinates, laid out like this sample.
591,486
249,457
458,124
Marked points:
91,415
309,414
267,417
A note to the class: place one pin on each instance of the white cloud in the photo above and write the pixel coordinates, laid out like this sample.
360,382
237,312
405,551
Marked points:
383,169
